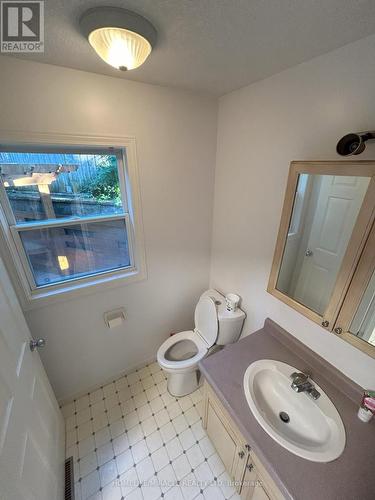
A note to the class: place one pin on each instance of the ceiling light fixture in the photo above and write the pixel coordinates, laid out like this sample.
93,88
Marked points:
120,37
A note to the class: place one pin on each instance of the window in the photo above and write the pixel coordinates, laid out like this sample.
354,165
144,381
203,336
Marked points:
67,215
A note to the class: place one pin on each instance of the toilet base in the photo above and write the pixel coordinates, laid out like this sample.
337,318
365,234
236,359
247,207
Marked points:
181,384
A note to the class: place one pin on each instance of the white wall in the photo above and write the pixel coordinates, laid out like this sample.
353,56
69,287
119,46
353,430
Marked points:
176,142
298,114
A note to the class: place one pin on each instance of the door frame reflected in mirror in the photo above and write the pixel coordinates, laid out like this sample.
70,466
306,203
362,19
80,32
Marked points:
347,272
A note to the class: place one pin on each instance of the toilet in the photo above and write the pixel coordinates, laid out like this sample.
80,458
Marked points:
215,326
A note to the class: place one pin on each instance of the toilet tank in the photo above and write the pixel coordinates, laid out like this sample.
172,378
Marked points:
230,323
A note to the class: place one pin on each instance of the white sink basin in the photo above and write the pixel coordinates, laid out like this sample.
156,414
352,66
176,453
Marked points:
314,431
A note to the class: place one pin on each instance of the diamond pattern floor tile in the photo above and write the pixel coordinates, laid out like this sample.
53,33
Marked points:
132,440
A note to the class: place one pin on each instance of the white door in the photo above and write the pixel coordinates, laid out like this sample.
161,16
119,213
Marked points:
31,424
335,212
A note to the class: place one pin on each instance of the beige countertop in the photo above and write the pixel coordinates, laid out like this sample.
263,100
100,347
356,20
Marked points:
352,475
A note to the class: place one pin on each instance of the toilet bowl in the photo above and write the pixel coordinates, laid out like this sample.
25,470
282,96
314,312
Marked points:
180,354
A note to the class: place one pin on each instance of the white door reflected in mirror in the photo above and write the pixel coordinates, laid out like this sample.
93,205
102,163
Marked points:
324,214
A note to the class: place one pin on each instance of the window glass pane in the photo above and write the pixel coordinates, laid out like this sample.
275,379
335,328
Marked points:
61,253
54,185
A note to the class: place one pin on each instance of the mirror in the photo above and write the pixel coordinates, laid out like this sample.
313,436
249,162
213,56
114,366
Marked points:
363,323
356,320
324,258
324,213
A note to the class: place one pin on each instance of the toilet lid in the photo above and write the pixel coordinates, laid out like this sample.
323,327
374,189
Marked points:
206,323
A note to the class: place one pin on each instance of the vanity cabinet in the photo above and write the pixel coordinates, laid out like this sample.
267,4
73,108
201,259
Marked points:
250,478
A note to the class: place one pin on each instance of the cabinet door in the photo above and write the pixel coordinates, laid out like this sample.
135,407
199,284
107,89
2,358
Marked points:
225,436
252,488
267,488
259,494
241,463
249,481
224,443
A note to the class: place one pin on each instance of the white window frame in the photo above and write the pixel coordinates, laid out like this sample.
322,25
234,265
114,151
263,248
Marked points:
13,252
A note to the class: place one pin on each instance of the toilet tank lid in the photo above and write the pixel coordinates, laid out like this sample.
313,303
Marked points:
225,315
222,312
206,323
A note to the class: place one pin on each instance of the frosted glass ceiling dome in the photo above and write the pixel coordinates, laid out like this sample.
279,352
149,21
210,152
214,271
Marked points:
120,37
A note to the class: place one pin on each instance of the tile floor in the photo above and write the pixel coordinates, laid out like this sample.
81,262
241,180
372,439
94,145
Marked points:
132,440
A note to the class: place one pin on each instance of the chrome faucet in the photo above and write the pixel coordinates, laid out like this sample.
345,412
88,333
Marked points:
301,383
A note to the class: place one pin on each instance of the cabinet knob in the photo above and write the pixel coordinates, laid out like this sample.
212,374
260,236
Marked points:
338,330
241,454
248,447
325,323
249,467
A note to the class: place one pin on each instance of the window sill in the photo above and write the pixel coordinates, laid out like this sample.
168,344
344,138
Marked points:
79,288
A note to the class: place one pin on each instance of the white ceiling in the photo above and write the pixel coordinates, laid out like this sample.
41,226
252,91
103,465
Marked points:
214,46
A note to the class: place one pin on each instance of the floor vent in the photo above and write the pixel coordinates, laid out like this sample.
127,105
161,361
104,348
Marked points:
69,479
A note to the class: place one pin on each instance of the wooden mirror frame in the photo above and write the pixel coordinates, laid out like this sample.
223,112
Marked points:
341,301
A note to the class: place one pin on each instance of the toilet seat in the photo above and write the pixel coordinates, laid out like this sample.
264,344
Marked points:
185,364
205,317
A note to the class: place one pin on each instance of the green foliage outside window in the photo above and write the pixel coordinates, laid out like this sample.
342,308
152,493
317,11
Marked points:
105,187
